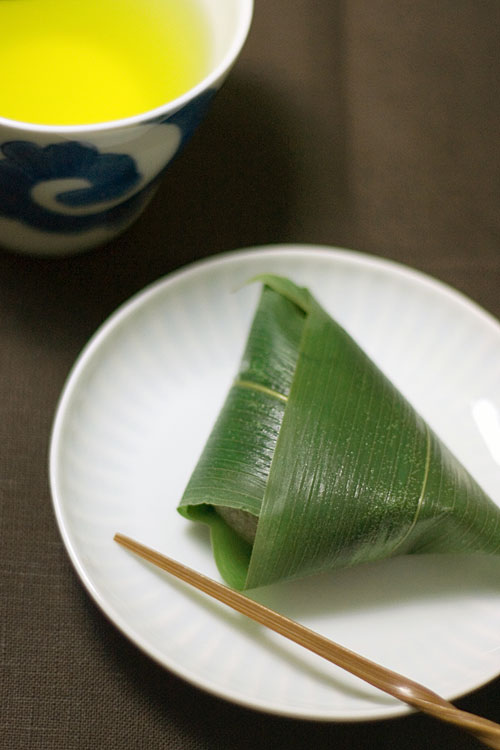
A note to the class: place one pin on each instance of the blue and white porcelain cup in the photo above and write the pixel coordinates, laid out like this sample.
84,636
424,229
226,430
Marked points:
65,189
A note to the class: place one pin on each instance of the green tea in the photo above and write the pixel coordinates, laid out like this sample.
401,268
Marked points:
75,62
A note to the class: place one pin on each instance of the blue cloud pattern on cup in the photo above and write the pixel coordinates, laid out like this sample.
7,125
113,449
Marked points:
108,178
189,117
26,165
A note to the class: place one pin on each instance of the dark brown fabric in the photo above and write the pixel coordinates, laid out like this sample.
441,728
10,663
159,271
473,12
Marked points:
367,124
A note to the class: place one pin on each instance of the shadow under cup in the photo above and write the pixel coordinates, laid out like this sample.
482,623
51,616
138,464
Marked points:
66,189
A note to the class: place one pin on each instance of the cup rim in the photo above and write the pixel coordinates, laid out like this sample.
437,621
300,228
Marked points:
169,108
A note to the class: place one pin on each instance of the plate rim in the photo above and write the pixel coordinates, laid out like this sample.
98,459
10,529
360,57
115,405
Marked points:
118,318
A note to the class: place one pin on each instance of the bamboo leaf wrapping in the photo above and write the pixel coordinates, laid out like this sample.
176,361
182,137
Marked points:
317,461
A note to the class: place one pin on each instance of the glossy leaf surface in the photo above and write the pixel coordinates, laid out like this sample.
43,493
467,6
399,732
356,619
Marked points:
330,462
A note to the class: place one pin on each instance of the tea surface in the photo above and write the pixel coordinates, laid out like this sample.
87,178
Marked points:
75,62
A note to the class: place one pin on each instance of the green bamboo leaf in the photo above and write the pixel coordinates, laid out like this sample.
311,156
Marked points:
317,461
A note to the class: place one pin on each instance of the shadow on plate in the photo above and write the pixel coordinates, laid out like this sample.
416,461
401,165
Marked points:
395,582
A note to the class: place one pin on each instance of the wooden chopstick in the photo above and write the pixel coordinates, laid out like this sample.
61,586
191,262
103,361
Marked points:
390,682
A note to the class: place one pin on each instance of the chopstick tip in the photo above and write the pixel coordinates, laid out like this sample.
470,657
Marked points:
121,539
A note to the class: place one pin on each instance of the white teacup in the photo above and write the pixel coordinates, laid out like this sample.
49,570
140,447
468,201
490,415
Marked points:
65,189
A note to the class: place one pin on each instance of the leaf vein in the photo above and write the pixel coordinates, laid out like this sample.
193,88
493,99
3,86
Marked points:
260,388
422,492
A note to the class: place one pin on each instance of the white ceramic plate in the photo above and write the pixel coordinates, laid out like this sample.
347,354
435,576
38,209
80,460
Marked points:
134,417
